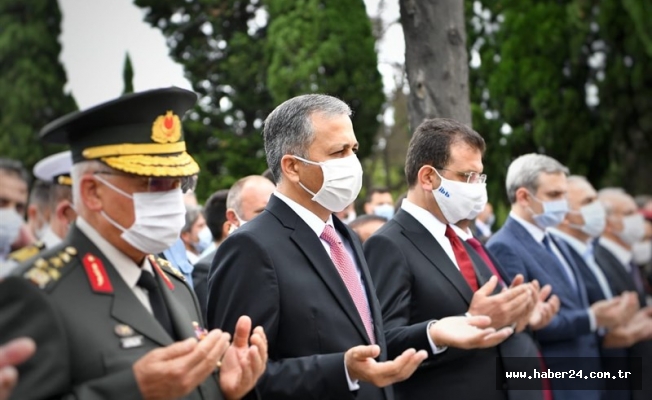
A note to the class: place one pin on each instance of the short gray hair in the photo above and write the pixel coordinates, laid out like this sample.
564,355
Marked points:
192,214
288,129
80,169
608,195
524,172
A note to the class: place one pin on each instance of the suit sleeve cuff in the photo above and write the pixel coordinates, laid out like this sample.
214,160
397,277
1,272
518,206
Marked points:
435,349
353,384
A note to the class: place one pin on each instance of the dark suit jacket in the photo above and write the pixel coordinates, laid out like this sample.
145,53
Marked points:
276,270
200,280
87,340
620,281
568,335
416,283
611,358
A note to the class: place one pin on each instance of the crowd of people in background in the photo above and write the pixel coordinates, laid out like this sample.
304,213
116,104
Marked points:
374,298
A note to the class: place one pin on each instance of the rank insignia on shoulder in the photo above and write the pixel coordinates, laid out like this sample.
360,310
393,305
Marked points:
156,264
38,276
27,252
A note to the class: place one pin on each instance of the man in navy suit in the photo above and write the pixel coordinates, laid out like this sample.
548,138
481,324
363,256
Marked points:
537,188
584,222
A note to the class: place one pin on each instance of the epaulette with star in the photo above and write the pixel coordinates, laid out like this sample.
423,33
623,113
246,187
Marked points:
27,252
167,267
46,270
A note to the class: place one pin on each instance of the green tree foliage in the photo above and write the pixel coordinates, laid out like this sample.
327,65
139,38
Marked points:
128,75
243,62
31,77
568,78
327,47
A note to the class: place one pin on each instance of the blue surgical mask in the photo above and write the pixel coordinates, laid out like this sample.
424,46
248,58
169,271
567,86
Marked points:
554,212
205,240
384,210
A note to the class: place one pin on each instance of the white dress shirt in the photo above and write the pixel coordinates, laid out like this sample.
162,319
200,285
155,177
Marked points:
585,250
127,269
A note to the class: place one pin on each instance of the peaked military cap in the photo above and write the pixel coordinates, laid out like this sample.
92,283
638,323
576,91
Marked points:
55,169
138,133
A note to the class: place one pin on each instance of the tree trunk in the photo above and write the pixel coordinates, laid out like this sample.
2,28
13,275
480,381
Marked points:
436,60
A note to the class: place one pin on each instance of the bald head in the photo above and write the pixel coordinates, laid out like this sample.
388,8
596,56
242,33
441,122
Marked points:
586,217
248,197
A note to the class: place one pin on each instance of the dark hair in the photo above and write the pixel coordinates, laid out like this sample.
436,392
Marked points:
215,213
372,191
366,218
431,145
15,168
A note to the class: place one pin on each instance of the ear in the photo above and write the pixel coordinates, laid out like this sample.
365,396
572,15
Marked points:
427,178
231,217
225,229
65,212
290,168
90,193
522,196
186,237
32,212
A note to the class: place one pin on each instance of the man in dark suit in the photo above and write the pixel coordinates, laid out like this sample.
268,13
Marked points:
613,253
424,272
300,272
104,313
585,222
537,188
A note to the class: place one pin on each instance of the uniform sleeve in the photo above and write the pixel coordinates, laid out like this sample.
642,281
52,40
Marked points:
243,281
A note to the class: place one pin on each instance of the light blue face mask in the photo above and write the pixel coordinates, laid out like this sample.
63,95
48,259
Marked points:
554,212
205,240
384,210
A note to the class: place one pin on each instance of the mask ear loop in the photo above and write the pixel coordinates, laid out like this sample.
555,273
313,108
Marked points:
112,186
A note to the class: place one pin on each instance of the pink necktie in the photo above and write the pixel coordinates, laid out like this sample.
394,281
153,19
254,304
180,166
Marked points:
349,275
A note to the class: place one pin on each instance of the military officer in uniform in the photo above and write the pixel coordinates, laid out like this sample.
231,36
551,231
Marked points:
53,172
110,320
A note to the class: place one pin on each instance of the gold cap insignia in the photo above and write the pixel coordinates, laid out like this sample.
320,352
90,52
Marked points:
166,128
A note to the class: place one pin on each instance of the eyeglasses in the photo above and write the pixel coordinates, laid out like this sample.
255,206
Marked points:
157,184
471,177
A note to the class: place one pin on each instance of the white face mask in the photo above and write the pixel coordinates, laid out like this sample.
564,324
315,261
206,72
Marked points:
554,212
460,200
633,229
10,223
342,182
642,252
595,219
384,210
159,218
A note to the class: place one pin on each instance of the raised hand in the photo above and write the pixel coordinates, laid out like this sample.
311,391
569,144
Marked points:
244,361
361,365
503,308
176,370
467,332
545,310
13,354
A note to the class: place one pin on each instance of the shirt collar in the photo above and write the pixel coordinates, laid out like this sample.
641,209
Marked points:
311,219
463,234
622,254
128,270
537,233
582,248
425,217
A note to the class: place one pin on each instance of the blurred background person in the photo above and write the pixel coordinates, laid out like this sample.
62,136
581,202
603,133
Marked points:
247,198
14,182
195,223
215,216
642,251
483,223
38,210
348,214
366,225
379,202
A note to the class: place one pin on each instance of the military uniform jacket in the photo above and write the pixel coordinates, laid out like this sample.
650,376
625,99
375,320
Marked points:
88,325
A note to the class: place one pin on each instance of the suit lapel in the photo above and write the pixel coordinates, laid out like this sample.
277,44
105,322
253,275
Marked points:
565,252
125,306
427,245
178,314
311,246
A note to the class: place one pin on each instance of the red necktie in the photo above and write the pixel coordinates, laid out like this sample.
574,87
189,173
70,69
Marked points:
463,260
349,275
477,246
